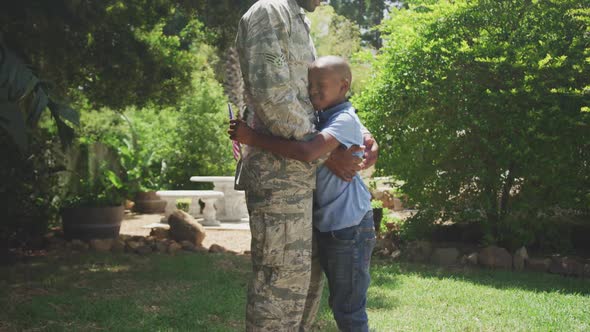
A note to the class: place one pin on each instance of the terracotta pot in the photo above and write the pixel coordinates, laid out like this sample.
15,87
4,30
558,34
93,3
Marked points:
148,202
87,223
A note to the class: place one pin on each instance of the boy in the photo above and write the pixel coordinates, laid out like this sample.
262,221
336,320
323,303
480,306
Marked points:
342,215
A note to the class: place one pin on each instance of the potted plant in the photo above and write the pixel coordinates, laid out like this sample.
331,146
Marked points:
140,178
377,207
92,206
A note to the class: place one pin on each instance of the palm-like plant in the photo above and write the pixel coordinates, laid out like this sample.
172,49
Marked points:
23,99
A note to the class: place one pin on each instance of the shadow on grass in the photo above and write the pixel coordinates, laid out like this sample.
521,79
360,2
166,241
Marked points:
119,292
385,275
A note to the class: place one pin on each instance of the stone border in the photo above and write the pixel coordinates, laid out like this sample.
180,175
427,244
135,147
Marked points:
136,244
491,257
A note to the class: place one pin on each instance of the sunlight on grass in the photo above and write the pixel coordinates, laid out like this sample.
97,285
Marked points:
112,268
196,292
418,298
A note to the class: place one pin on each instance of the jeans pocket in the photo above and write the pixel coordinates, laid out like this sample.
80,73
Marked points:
348,235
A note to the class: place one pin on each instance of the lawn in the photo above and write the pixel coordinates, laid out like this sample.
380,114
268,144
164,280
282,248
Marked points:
199,292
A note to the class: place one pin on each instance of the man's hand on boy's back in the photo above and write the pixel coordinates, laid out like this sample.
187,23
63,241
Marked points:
343,163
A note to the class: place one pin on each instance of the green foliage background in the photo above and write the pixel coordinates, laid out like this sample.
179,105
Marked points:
481,107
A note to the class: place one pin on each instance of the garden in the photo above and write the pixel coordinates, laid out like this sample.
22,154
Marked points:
481,110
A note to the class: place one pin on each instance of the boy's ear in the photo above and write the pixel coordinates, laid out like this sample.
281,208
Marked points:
345,85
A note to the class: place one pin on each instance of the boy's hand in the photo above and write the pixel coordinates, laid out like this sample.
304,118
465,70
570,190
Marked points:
371,151
343,163
239,131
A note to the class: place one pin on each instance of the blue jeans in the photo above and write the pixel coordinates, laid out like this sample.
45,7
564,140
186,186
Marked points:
345,256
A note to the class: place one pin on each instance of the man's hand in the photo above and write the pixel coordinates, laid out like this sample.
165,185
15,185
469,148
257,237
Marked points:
343,164
371,151
239,131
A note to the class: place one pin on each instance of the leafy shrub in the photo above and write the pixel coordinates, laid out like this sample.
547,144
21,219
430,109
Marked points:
481,108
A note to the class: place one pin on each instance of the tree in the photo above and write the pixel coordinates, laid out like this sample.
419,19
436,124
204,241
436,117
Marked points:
114,52
368,14
334,34
482,109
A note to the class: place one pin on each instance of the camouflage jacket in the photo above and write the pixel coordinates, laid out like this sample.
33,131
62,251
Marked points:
275,50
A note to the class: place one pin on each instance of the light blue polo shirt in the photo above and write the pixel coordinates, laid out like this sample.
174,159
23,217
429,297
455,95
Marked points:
339,204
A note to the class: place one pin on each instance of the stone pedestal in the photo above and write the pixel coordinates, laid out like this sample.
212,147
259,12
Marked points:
209,217
232,207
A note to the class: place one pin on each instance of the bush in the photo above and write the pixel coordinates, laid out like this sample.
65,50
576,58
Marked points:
481,108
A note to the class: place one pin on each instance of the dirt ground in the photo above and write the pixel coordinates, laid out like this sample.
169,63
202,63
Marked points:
233,239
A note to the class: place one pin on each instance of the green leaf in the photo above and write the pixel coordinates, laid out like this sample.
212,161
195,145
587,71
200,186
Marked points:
114,179
65,112
12,121
38,104
65,132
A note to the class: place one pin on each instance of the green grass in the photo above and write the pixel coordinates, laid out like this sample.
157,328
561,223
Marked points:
197,292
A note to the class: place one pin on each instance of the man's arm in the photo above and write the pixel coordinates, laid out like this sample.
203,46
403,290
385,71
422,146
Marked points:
262,44
309,151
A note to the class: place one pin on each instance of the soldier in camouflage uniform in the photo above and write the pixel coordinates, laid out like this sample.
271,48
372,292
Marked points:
275,49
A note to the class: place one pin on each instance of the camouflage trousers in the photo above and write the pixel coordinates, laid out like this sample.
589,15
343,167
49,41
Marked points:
314,292
280,222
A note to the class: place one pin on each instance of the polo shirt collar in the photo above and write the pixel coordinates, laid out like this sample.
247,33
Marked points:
325,115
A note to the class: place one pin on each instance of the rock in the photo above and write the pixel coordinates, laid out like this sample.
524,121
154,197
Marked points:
396,254
388,200
557,265
495,257
575,268
418,251
566,266
159,233
144,249
385,244
184,227
201,250
187,245
382,252
538,264
118,246
397,204
472,258
56,243
378,193
101,245
79,245
215,248
174,247
161,246
131,245
445,256
519,259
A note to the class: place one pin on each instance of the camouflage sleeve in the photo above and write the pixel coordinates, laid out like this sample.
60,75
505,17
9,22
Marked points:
262,42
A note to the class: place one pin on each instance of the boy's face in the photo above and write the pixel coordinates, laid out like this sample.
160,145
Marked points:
326,88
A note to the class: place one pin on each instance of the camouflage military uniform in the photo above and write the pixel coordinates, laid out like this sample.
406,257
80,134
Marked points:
275,50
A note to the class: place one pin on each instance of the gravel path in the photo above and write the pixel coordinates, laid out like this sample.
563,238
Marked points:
236,240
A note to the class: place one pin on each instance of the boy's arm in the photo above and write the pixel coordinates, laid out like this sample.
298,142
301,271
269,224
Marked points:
309,151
